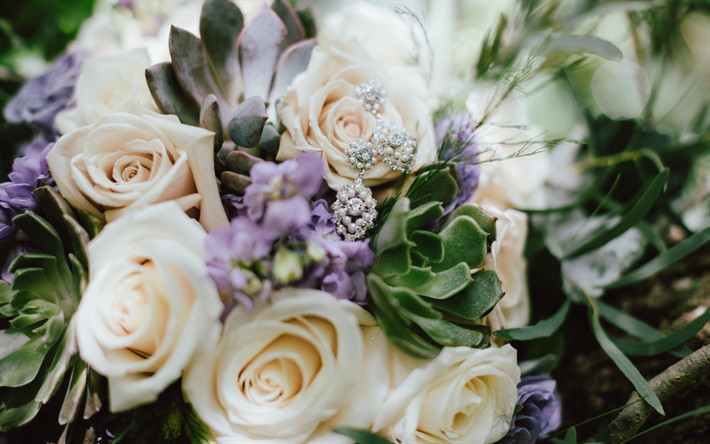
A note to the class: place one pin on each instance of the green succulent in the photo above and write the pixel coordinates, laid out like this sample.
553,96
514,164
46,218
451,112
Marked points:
38,344
428,284
223,80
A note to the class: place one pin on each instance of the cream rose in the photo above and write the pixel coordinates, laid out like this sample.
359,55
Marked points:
321,111
508,260
463,395
108,85
124,162
290,371
150,303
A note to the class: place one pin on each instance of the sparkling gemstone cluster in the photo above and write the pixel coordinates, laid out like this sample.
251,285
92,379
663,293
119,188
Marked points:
354,208
395,145
354,211
372,96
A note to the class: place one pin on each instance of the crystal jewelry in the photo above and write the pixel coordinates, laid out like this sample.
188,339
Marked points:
355,208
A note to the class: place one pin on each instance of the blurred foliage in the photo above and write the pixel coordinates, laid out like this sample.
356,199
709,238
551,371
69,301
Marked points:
32,32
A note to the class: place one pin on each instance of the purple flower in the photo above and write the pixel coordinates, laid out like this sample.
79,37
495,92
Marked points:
239,259
541,413
28,172
41,98
455,136
271,182
342,270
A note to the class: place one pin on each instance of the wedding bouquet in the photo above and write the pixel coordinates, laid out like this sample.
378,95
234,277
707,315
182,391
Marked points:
265,229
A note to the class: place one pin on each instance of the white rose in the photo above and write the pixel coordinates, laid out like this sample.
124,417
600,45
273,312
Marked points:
150,303
321,111
508,260
463,395
108,85
290,371
124,162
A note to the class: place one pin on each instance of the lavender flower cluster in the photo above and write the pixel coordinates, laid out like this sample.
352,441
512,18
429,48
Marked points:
455,137
278,237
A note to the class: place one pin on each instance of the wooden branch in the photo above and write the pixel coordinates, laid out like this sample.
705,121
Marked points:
687,372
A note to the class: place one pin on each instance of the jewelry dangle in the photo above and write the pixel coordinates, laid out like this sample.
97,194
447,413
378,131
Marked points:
354,210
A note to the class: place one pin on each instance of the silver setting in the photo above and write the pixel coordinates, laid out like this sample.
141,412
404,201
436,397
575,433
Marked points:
361,155
372,96
395,146
354,211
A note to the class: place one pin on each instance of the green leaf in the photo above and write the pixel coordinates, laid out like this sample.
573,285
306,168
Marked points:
47,263
405,300
446,284
393,261
663,260
570,436
634,326
22,365
415,277
43,235
423,215
169,95
484,220
221,22
666,343
541,329
13,416
32,281
447,334
429,245
361,436
636,213
34,312
61,216
476,300
11,340
5,292
391,324
190,65
584,43
464,241
627,368
392,232
433,186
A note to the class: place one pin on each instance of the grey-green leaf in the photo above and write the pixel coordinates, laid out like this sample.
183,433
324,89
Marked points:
210,119
626,367
248,121
169,95
221,22
190,65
